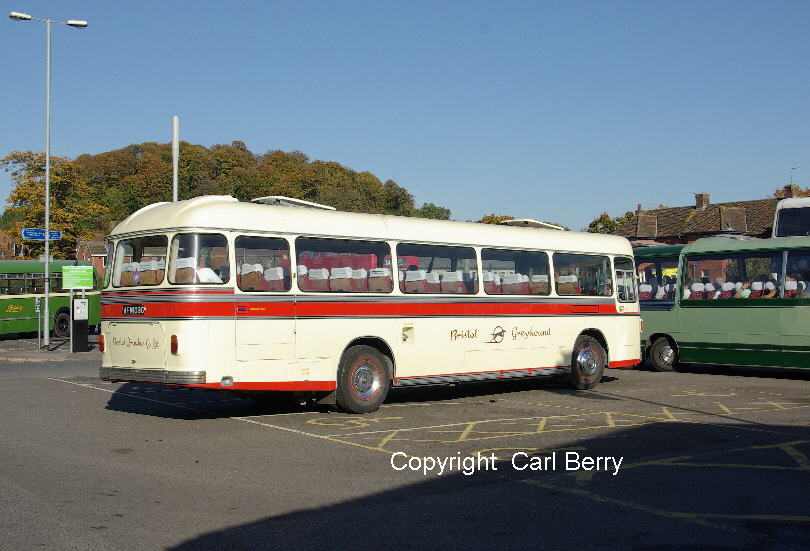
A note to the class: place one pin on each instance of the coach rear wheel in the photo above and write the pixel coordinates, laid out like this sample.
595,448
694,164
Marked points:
61,324
362,380
662,355
587,363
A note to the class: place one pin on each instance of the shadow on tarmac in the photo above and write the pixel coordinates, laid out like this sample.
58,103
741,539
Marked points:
190,403
707,487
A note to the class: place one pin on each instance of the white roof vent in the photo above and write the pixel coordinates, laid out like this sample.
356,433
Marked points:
529,223
280,200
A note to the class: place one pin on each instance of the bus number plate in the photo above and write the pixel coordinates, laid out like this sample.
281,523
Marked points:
134,310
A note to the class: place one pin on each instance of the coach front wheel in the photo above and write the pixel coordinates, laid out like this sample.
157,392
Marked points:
587,363
362,380
662,355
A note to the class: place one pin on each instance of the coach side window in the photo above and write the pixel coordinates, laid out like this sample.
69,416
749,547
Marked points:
515,272
138,261
625,279
262,264
343,266
437,269
199,259
797,274
582,274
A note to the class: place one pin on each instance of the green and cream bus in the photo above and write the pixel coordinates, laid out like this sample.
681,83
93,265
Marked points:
221,294
726,301
22,282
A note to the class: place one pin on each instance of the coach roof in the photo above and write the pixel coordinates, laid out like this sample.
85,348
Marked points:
226,213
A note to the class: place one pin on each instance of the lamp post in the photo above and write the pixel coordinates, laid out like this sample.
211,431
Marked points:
17,16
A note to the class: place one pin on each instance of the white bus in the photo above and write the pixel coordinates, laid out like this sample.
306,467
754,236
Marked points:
792,217
221,294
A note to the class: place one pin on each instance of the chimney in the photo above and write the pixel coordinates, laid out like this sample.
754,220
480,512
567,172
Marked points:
791,190
701,200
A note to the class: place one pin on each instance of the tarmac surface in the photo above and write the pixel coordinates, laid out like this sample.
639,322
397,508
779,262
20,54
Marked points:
703,459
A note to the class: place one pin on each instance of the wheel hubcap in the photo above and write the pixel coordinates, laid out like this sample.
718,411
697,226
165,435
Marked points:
366,381
587,361
666,355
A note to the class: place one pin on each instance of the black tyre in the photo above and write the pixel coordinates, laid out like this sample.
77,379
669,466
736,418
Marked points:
61,324
587,363
362,380
663,356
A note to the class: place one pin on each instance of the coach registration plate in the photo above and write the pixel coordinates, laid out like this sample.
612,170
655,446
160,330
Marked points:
133,310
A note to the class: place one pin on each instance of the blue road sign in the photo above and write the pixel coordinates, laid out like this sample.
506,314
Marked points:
38,234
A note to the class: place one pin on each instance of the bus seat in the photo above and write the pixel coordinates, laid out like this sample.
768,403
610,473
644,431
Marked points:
727,290
453,282
756,290
184,270
303,278
710,290
380,281
340,279
567,285
148,271
645,291
250,277
492,283
319,279
433,282
274,279
791,288
538,284
697,291
512,284
359,280
770,286
130,274
416,281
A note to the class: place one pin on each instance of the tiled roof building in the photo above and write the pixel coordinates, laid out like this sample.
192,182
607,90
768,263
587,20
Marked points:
673,225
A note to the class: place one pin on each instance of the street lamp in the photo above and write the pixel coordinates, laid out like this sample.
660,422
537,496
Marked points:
17,16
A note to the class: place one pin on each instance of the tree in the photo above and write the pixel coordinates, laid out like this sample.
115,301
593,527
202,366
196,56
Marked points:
605,224
495,218
72,208
429,210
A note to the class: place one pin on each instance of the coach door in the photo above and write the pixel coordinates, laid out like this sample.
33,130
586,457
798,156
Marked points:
265,322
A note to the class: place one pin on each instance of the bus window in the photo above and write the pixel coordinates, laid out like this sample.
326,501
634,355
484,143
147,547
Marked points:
439,269
198,258
343,266
625,280
140,261
262,264
753,275
797,274
582,274
515,272
657,278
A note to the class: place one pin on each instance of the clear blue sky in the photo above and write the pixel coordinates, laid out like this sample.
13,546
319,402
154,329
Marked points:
549,110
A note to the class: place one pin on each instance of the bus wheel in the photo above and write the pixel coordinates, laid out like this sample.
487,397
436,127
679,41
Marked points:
662,356
587,363
362,380
61,324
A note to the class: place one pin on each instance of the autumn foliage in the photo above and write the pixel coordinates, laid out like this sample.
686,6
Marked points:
91,193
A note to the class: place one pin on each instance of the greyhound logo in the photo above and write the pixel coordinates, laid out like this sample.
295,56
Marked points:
497,335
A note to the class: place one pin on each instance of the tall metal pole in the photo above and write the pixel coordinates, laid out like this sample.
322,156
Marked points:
47,179
175,154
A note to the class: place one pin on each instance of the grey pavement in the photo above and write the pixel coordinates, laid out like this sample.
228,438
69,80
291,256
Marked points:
14,348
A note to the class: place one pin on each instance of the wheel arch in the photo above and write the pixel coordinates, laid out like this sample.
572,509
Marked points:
654,337
380,345
600,338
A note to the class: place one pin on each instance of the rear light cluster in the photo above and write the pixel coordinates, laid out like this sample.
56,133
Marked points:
174,345
101,342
